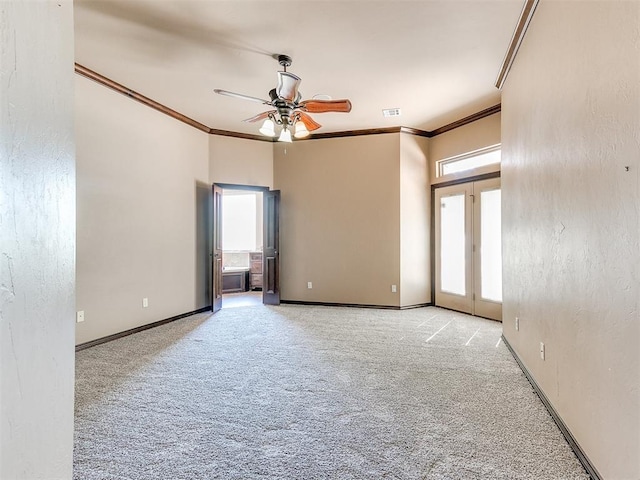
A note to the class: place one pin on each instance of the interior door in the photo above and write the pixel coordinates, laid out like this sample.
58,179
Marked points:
271,248
469,248
216,293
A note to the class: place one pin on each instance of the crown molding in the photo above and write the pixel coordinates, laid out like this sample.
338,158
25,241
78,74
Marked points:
246,136
370,131
107,82
353,133
526,15
466,120
416,132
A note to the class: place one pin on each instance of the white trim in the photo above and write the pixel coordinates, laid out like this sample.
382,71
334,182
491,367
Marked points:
493,167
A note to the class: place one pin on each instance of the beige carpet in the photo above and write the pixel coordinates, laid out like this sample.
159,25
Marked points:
242,299
313,393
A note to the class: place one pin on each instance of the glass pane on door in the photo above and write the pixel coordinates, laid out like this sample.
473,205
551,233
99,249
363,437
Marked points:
491,241
452,244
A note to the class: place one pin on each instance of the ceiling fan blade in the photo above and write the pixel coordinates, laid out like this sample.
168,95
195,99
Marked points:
309,122
288,86
241,96
260,116
322,106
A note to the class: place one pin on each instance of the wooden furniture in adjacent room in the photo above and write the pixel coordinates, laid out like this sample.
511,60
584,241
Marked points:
255,270
234,280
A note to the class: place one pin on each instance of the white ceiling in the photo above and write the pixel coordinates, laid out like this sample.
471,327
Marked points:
435,60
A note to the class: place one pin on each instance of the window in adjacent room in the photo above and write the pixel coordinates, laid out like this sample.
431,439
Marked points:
239,222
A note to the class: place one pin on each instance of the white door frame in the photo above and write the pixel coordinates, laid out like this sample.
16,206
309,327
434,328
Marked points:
471,301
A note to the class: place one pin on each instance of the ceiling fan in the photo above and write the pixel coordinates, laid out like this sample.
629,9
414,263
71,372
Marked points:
290,111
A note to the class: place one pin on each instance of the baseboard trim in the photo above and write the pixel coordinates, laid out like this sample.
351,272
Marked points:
115,336
354,305
573,443
417,305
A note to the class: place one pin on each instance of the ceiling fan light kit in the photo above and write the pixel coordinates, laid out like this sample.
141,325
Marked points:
290,111
285,136
268,128
301,130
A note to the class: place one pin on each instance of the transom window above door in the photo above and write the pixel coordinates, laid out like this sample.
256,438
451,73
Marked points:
469,161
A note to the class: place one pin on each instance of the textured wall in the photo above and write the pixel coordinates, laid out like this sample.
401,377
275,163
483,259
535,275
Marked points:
570,126
340,219
240,161
415,221
37,240
143,213
467,138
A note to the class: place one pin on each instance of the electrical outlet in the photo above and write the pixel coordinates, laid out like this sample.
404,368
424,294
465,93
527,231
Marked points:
309,285
394,289
80,316
145,302
517,324
542,350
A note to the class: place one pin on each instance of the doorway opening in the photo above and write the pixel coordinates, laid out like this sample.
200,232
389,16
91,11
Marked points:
241,247
468,247
245,266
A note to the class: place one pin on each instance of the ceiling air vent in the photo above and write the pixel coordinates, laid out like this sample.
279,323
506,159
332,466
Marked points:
391,112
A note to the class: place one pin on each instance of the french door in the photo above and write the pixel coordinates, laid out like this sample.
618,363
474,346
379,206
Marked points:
271,247
469,248
216,283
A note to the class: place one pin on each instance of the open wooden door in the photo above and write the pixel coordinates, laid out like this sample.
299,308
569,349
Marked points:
216,293
270,249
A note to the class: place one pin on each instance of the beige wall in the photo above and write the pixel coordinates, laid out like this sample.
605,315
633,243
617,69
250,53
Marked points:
415,221
37,240
144,209
240,161
467,138
143,206
340,219
571,117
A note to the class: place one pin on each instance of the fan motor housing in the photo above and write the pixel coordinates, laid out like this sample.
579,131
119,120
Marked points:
285,60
